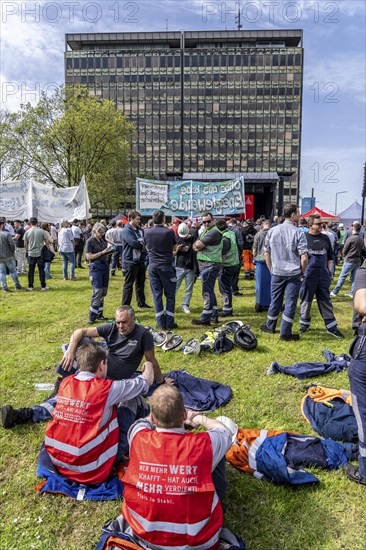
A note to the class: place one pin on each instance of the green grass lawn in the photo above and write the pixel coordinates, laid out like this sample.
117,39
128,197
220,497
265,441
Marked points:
329,515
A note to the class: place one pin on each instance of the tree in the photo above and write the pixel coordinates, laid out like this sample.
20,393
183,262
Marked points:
69,134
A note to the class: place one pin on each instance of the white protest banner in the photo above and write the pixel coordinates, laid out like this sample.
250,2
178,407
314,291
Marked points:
20,200
15,198
151,195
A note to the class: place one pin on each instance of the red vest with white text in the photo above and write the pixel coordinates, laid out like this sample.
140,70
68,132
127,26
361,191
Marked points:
79,448
169,497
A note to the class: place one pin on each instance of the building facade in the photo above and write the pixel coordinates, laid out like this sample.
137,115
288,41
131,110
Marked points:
202,102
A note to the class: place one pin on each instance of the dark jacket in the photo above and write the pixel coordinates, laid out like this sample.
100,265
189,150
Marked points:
133,242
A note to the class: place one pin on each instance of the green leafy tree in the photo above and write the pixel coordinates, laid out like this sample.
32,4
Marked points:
69,134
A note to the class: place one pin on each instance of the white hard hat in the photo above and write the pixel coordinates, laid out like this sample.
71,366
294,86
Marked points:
229,424
192,346
172,343
183,230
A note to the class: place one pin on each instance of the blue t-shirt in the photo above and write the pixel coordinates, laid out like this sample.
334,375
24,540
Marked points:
160,241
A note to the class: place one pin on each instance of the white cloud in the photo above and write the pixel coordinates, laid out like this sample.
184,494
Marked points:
345,70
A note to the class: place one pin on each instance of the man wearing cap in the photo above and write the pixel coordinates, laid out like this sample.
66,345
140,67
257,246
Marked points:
353,250
186,262
34,240
175,479
209,256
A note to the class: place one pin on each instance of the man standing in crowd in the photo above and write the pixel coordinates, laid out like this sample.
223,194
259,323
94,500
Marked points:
317,279
97,252
357,375
186,262
209,256
259,240
233,226
66,249
160,244
79,243
19,247
286,255
34,240
114,237
7,259
85,439
248,233
127,344
230,265
133,261
353,250
192,516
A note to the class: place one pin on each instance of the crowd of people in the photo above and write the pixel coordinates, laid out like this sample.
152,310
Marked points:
99,391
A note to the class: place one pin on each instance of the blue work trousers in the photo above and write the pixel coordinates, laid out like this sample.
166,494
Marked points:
99,276
189,276
317,283
226,279
208,276
163,280
357,378
279,286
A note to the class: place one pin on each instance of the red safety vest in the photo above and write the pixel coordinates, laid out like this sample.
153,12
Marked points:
79,448
169,497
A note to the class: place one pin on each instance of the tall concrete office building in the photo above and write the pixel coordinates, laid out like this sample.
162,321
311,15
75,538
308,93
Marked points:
206,105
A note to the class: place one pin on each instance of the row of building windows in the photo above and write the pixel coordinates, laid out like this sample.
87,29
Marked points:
170,61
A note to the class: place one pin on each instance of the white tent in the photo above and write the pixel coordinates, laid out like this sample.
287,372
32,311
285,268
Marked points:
351,214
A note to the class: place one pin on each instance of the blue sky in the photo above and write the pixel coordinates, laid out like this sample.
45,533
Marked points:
333,142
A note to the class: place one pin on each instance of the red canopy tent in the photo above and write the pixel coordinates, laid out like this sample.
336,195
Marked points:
325,216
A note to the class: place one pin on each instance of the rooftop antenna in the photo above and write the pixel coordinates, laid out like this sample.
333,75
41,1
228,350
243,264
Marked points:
166,24
237,20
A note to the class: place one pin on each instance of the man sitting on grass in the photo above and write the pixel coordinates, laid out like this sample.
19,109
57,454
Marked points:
83,439
175,480
127,344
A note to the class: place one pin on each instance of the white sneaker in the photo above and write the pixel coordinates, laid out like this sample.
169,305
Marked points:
30,289
185,309
333,295
349,295
45,288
